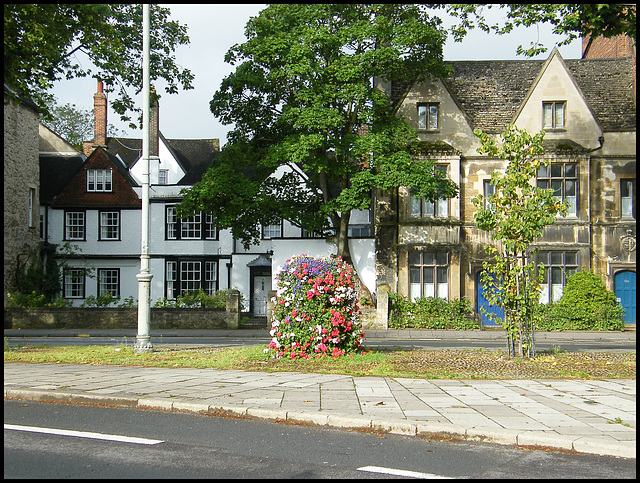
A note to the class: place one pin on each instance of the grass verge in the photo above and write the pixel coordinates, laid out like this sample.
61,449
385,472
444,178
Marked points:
428,364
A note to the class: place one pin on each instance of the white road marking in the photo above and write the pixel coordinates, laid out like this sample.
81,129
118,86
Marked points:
83,434
396,472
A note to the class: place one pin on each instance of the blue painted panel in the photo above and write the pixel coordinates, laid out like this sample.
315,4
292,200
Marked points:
625,288
484,303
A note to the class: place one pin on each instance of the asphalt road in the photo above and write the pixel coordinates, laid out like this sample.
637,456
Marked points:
405,344
175,445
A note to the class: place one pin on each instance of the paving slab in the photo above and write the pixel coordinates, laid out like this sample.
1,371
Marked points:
596,417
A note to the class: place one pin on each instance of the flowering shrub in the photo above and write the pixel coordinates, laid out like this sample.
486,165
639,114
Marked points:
316,310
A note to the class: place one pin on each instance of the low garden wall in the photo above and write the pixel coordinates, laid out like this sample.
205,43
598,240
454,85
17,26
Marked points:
114,318
124,318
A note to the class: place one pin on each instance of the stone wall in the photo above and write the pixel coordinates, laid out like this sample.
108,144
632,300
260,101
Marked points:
21,180
114,318
120,318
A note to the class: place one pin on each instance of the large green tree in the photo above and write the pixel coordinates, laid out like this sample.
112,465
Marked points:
570,21
303,95
43,43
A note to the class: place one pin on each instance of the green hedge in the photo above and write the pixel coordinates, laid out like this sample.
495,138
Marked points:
430,313
586,304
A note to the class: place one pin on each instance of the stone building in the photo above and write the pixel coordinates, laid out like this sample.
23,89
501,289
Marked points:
21,187
586,108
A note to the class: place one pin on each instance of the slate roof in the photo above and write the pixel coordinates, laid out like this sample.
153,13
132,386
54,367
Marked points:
193,155
55,172
490,92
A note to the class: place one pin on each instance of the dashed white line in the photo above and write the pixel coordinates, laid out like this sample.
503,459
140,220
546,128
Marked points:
83,434
397,472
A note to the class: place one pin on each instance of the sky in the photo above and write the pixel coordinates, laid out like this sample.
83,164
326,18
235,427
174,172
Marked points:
213,29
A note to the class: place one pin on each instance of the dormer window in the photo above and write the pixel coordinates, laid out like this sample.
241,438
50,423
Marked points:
553,114
428,116
99,180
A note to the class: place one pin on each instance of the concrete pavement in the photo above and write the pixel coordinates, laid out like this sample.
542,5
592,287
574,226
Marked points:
585,416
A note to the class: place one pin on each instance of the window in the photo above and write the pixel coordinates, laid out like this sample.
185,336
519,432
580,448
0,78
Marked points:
359,231
172,279
74,225
191,275
553,114
99,179
428,116
210,277
109,281
32,207
163,176
191,228
172,223
488,190
210,230
557,265
311,233
628,198
195,227
423,208
109,225
74,280
563,179
272,231
428,275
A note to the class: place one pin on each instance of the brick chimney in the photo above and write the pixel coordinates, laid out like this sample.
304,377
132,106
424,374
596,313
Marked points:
100,122
154,126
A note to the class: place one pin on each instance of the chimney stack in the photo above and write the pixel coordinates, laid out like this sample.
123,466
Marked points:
100,122
154,126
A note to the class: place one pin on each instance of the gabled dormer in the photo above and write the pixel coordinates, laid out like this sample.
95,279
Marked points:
102,181
556,104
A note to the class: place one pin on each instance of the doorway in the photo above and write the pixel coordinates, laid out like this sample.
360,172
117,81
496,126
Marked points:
259,294
483,303
625,289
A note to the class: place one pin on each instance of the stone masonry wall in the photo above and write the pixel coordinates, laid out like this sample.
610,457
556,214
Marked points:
21,174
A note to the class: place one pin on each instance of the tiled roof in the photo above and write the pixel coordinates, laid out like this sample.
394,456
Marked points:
607,84
490,92
74,193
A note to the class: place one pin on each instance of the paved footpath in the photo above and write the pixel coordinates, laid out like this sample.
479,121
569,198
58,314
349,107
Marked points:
585,416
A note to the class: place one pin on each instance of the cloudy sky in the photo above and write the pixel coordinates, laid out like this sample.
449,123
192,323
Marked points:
213,29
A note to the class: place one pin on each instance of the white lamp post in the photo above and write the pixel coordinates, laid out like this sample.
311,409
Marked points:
143,339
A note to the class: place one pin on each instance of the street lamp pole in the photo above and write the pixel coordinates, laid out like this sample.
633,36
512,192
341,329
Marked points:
143,339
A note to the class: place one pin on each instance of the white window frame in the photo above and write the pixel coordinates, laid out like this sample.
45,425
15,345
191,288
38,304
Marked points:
163,176
109,226
565,186
74,283
423,208
554,114
109,281
429,116
99,180
272,231
557,265
74,225
429,274
627,197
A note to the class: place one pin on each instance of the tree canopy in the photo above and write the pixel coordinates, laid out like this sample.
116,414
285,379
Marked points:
570,21
303,96
42,43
